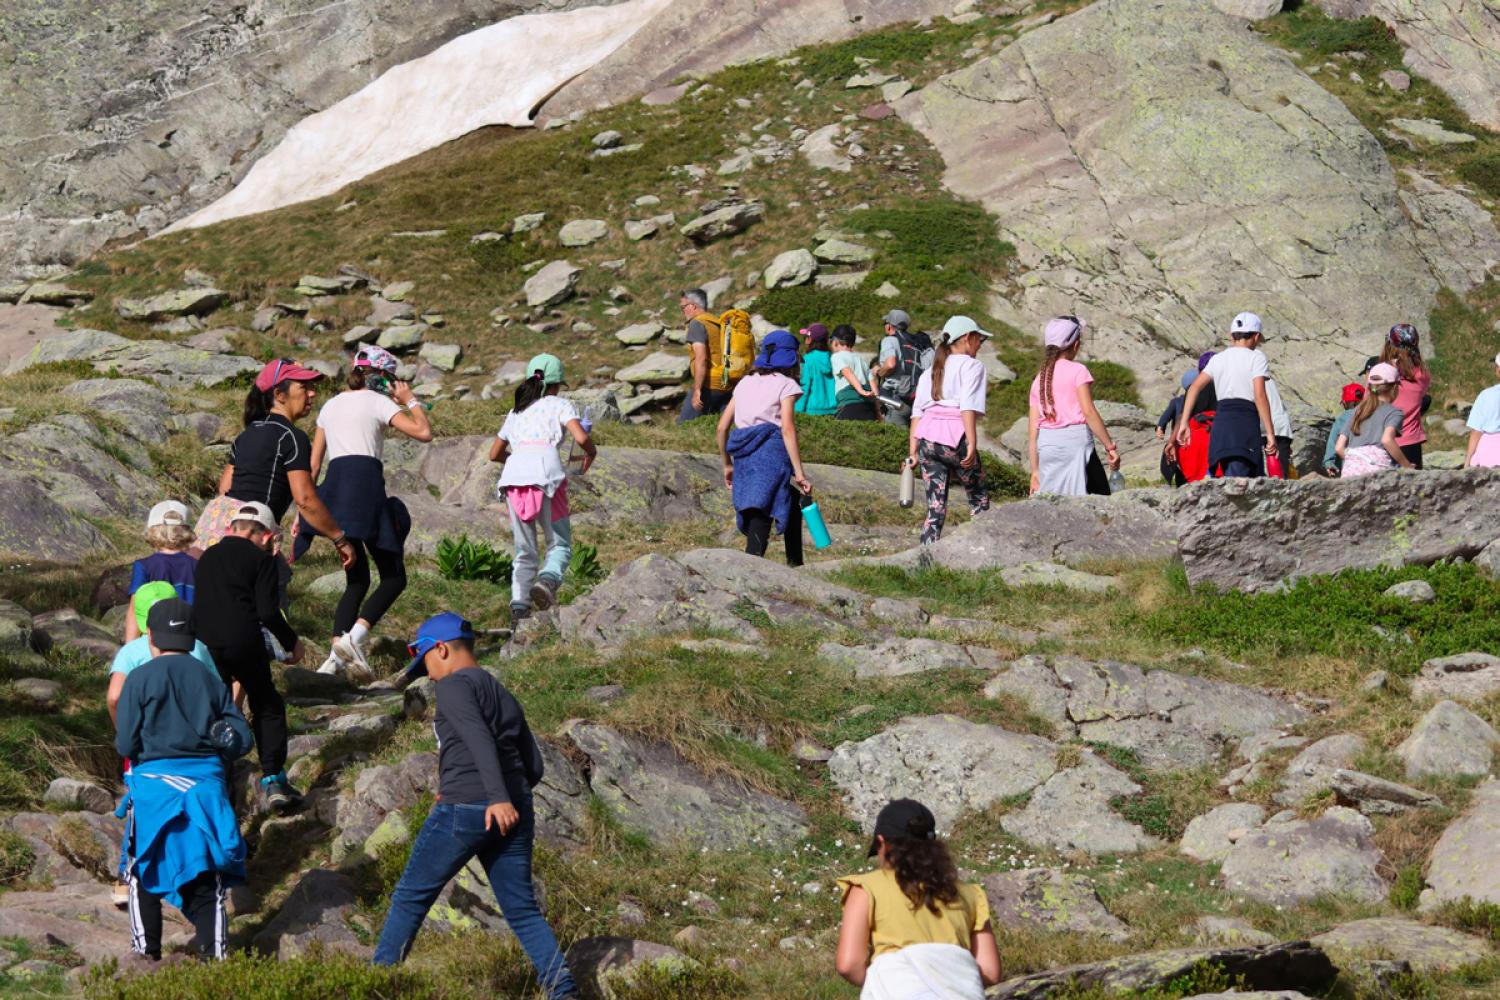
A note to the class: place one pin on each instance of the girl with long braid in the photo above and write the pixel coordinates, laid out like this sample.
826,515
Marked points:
1062,421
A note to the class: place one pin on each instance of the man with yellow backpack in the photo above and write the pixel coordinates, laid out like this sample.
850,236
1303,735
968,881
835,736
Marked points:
722,350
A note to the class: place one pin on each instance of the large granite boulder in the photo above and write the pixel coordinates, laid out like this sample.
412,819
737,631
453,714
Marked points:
1078,132
1312,771
1286,862
1466,677
1132,526
955,766
1172,721
1051,900
1317,526
1464,861
651,788
1427,949
139,408
81,918
171,365
81,466
1294,965
319,913
1449,742
1453,43
35,526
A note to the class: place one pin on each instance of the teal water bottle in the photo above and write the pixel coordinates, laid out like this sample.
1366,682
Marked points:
813,518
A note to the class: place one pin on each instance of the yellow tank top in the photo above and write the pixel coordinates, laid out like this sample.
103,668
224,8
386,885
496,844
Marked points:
896,923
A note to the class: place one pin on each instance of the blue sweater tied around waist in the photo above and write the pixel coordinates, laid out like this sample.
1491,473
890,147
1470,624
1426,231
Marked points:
180,824
762,474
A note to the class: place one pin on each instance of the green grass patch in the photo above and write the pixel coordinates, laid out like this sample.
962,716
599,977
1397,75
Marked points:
1312,32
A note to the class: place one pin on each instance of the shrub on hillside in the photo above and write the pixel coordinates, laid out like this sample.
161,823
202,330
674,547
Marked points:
464,558
16,857
320,976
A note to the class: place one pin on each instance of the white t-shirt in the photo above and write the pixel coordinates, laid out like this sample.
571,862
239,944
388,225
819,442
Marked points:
1234,371
534,435
964,385
1281,421
354,423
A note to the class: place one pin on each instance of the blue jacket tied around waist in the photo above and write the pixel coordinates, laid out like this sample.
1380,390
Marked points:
354,493
180,825
762,474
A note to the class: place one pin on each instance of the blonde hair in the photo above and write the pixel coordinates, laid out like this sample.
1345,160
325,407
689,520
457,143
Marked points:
1378,394
175,537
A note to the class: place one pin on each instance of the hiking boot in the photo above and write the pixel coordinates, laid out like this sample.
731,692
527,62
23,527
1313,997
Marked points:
544,593
278,794
347,650
518,614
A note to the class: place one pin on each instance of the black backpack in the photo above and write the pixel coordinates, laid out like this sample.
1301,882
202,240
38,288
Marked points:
914,355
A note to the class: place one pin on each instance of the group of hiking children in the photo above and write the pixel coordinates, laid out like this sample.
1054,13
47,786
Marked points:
207,608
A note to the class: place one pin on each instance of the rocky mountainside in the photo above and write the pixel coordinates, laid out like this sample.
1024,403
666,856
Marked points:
125,116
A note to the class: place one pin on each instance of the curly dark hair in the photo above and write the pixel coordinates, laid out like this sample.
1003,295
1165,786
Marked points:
924,871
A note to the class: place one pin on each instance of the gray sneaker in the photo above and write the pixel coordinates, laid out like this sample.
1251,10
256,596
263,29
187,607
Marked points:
278,794
544,593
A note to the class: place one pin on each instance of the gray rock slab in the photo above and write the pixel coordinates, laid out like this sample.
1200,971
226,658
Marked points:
899,657
1295,965
1051,900
1428,949
70,793
81,918
188,302
1458,237
1311,771
1051,574
790,268
554,283
582,232
724,222
1378,797
1072,810
317,913
1464,861
1212,836
1467,677
650,788
1230,931
1285,863
33,525
1448,742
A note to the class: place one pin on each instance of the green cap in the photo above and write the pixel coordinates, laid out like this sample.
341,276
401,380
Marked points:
148,594
550,366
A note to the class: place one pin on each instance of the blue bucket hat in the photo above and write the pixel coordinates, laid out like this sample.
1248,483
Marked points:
443,627
1189,377
778,350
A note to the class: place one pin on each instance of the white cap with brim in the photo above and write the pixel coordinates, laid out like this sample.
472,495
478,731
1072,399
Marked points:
254,510
1245,322
962,326
167,512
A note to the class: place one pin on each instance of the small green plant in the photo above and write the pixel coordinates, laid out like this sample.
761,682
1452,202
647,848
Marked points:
1408,888
16,857
1472,915
464,558
586,567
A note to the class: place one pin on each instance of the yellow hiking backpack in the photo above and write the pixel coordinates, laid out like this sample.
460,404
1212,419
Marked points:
731,347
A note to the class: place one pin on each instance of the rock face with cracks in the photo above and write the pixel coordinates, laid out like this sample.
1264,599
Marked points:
1078,133
1284,863
1464,861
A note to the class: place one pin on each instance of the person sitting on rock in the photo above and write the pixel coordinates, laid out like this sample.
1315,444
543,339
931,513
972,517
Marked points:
168,532
1062,420
1350,396
761,457
178,726
910,928
237,598
1369,444
818,397
856,394
1403,352
1243,433
488,763
534,483
1484,427
943,442
351,435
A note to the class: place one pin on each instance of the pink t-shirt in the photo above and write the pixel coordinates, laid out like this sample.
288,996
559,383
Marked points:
1409,401
1067,376
757,399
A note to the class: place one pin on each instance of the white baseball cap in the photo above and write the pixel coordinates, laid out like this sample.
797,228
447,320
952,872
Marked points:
167,512
962,326
254,510
1246,322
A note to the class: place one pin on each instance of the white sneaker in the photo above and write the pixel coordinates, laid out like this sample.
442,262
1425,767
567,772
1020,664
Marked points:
347,650
333,665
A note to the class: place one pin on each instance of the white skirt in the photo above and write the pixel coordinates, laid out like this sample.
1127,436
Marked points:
1062,458
924,972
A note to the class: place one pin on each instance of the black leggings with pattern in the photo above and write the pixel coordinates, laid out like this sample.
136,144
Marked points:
941,464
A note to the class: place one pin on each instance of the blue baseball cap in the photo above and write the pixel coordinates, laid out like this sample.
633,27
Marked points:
778,350
445,626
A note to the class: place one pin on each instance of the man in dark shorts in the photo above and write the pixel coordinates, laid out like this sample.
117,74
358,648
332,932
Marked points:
236,597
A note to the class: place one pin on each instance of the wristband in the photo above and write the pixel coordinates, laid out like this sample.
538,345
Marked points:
339,540
414,403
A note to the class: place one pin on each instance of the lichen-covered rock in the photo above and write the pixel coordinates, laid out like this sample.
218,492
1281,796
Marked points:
650,788
1274,185
1052,900
1212,836
171,365
598,964
1428,949
724,221
1318,527
898,657
1284,863
1467,677
1294,965
1378,797
554,283
1449,742
319,910
1311,771
188,302
1464,861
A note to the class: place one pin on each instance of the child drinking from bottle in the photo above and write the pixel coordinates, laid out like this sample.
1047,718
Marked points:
761,457
534,483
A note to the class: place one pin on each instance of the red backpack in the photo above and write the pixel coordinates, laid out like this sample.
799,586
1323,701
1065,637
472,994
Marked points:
1193,459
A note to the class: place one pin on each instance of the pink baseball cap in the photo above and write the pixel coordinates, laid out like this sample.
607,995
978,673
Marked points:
1063,331
283,370
1384,374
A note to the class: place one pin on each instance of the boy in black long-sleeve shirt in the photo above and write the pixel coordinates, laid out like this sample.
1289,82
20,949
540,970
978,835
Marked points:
236,595
488,763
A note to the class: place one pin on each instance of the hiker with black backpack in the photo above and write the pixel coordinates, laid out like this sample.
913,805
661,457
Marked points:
904,356
722,349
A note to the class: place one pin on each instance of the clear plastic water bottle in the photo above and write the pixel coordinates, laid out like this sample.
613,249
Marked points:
908,483
1116,481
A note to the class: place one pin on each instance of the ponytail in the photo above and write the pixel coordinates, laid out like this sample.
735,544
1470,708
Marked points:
939,362
258,404
1049,363
530,391
1408,360
1376,397
924,870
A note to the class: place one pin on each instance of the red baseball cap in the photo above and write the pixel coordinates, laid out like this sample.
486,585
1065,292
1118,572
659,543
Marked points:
1354,392
281,370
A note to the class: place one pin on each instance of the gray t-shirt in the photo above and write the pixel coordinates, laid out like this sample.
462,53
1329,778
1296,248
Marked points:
890,347
1373,429
697,333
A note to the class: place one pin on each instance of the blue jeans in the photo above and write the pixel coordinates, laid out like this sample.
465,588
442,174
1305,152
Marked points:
451,836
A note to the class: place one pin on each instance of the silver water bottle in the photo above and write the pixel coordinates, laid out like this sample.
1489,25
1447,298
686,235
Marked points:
908,483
